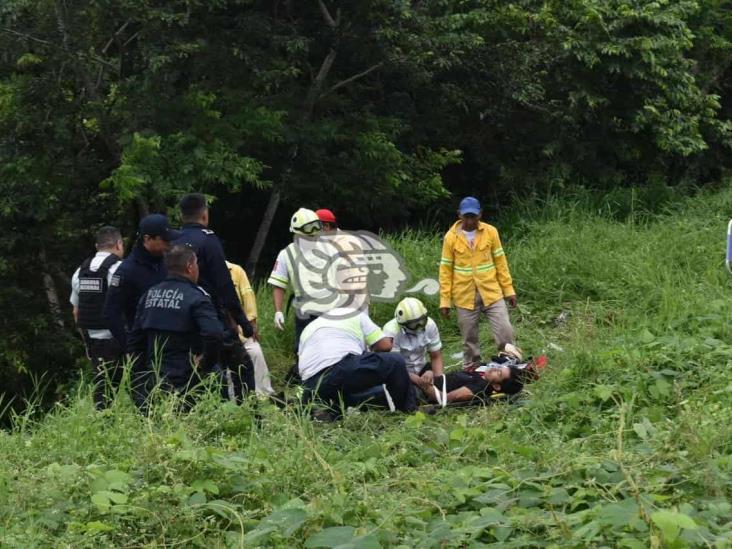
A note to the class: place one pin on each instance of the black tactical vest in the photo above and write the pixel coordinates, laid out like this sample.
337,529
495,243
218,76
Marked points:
92,291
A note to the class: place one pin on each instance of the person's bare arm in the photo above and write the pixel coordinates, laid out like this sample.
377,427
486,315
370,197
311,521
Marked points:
461,394
414,378
75,312
278,296
438,366
383,345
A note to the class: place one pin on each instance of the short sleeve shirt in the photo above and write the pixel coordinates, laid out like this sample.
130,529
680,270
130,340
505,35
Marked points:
331,337
280,276
414,346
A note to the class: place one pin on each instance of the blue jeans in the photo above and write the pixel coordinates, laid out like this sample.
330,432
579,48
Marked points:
353,375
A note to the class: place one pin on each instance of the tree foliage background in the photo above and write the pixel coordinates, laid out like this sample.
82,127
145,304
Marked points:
384,110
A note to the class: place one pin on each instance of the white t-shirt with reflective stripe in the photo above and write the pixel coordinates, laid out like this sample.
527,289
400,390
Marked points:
332,336
280,276
414,346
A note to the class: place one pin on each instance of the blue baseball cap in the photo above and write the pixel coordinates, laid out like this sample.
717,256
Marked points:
157,225
469,205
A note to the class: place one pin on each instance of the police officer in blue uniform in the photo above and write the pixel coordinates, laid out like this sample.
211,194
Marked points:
215,279
140,270
177,324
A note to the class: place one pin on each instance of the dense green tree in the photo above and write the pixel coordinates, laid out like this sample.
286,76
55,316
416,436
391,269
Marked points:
376,108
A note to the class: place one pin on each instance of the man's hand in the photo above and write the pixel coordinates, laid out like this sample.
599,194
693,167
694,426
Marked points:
255,335
279,320
512,301
428,377
445,312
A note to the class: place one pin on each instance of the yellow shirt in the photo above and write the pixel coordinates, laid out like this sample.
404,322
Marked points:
244,290
465,268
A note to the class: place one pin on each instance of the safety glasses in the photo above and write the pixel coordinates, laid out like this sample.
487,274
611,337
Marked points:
416,324
311,227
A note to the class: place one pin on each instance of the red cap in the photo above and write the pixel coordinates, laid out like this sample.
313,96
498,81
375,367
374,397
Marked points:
326,216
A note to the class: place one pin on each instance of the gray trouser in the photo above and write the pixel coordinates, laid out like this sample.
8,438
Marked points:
261,372
468,321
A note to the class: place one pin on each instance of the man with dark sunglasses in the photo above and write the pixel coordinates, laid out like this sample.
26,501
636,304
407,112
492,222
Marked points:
415,336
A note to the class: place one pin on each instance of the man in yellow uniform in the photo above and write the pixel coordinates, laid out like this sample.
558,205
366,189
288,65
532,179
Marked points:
249,303
474,277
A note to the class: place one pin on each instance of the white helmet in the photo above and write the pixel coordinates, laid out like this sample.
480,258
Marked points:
305,222
512,351
411,314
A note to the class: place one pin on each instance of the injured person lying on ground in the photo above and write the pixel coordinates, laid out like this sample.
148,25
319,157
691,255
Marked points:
504,376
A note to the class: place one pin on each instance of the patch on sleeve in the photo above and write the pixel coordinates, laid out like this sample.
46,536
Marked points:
207,231
116,280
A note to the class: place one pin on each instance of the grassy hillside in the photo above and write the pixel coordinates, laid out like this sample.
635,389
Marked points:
625,442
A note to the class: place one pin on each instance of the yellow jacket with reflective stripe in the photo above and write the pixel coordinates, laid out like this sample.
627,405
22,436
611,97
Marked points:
244,290
464,269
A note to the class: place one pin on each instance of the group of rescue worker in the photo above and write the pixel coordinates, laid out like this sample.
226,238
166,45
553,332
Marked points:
180,312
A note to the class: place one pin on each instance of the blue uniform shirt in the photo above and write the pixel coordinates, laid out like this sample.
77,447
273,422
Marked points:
214,275
138,272
175,320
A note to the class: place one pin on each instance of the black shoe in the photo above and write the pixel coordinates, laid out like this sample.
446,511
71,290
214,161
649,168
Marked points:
293,376
430,409
324,416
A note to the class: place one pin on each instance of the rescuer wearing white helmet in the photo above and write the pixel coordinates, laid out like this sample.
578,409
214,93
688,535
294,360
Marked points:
304,222
415,336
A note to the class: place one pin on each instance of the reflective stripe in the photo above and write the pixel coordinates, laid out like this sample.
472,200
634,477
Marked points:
292,252
351,325
274,278
499,252
445,261
479,269
374,336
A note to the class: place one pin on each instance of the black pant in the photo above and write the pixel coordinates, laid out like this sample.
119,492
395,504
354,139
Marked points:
106,359
237,371
354,374
300,325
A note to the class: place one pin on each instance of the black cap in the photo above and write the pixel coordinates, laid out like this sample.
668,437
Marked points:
157,225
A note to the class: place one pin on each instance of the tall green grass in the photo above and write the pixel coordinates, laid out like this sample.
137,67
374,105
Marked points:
624,442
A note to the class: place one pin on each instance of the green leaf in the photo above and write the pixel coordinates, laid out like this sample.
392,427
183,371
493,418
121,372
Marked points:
206,486
647,336
671,523
603,392
101,500
619,514
222,508
117,498
197,498
287,521
115,476
415,420
331,537
640,430
96,527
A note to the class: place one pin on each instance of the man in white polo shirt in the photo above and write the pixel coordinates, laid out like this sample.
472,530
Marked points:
416,336
334,363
